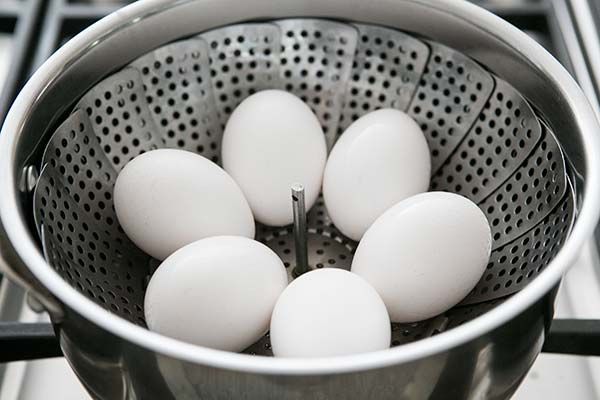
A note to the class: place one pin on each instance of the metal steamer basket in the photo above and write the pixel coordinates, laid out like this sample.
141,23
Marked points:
506,125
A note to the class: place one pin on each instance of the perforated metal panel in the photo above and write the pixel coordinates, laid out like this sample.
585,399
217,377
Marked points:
529,194
74,213
452,91
409,332
243,60
85,257
465,313
325,250
385,72
318,217
75,156
120,117
316,59
514,265
262,347
178,89
504,135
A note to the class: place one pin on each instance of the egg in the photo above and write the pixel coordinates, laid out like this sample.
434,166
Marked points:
167,198
217,292
381,159
273,140
425,254
329,312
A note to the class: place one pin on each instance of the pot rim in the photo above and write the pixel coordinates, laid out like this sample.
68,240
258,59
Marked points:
24,244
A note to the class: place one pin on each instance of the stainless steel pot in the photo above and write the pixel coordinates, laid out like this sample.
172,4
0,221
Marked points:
484,358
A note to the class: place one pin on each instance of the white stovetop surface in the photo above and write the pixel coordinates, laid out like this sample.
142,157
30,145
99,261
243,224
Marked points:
553,377
559,377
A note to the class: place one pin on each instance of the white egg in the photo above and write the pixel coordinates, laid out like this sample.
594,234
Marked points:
165,199
272,141
329,312
425,254
217,292
381,159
